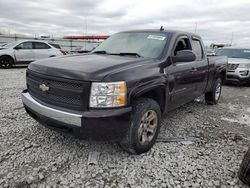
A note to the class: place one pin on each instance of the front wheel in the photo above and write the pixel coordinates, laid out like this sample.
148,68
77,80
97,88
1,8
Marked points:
144,126
213,96
6,62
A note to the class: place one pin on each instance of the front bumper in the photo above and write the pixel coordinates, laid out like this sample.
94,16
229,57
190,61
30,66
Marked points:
238,75
109,124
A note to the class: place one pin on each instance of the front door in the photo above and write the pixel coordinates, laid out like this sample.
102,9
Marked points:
181,76
24,52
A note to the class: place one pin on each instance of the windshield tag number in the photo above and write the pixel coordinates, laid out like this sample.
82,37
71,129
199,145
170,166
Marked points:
156,37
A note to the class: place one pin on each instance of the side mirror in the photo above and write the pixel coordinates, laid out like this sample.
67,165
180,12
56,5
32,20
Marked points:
184,56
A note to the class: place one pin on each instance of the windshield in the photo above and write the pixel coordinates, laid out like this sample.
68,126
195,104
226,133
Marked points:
11,44
234,53
149,45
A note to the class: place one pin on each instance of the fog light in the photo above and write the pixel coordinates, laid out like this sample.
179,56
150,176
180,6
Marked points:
244,73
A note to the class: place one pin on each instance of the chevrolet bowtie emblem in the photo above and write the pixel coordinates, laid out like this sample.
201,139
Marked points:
43,87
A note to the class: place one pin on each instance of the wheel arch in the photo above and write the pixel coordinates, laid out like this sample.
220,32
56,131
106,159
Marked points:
9,56
157,93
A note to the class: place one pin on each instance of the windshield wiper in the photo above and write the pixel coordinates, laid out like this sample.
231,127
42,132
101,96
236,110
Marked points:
127,53
100,52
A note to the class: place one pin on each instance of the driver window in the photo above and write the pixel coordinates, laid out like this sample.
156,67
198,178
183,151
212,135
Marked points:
25,45
182,44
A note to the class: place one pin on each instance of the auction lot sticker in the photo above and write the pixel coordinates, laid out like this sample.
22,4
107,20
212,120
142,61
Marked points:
156,37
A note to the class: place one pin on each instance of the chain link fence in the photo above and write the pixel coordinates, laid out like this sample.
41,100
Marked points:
69,45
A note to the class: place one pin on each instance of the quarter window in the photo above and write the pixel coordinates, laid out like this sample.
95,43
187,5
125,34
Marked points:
197,49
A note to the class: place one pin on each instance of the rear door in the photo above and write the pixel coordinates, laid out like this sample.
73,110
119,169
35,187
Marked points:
42,50
24,52
181,75
201,73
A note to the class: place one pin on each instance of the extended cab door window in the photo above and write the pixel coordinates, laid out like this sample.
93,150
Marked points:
197,49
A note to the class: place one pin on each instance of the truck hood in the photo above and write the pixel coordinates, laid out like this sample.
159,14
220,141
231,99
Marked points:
88,67
238,61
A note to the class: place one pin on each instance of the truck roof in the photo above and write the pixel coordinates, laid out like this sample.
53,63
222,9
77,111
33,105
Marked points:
176,32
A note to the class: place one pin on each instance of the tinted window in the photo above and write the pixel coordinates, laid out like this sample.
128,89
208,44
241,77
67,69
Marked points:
197,49
41,45
55,45
25,45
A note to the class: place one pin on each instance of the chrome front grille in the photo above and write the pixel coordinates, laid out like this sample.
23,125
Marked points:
62,92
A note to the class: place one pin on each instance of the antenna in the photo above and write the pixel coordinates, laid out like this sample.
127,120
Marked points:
162,28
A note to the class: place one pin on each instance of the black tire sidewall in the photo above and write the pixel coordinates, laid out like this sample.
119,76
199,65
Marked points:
7,59
139,109
210,96
245,168
218,81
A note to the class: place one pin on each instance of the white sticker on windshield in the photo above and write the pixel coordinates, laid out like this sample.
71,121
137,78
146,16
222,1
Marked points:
156,37
246,51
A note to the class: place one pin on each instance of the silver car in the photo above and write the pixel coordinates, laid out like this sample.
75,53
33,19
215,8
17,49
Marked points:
238,64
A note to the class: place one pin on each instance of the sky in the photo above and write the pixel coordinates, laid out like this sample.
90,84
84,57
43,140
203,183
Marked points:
216,21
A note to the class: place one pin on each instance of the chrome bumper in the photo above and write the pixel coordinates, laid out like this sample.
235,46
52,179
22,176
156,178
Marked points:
239,73
61,116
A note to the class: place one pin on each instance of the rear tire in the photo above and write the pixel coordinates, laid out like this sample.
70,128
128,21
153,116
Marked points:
144,126
213,96
6,62
244,172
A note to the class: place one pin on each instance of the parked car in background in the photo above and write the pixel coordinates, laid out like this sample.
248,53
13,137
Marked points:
210,52
26,51
2,45
238,64
88,47
121,89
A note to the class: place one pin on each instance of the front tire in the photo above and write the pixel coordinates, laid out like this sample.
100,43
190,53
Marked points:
144,126
6,62
213,96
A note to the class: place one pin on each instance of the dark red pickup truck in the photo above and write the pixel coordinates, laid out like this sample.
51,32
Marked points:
121,89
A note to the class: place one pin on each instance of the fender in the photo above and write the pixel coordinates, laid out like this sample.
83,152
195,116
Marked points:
156,88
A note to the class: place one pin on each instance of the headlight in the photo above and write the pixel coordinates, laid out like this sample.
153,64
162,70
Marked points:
110,94
244,65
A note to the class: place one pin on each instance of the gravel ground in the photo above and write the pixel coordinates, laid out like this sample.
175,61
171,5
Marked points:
33,156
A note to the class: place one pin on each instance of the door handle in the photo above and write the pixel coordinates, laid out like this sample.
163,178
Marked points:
193,69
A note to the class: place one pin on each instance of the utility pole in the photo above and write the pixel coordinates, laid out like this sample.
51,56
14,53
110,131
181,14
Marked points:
86,27
232,37
195,27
